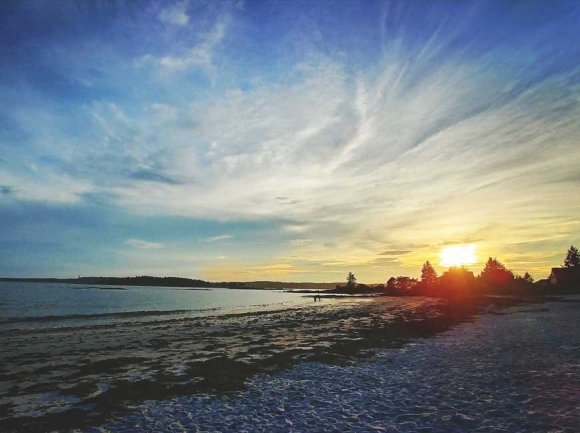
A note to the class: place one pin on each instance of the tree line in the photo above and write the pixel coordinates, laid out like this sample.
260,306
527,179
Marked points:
495,278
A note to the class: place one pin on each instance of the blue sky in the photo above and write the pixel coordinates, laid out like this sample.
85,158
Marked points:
286,140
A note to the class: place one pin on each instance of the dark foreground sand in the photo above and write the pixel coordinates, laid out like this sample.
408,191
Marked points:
517,370
76,378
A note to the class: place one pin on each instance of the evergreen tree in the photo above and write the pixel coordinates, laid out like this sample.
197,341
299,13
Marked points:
428,275
527,279
350,280
496,274
572,259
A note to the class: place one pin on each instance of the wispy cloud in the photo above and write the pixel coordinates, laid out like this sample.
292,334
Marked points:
295,228
265,271
143,245
216,238
200,56
152,176
413,140
394,252
48,186
7,190
286,201
299,242
175,14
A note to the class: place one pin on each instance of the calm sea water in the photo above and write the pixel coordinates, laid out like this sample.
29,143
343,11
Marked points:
42,305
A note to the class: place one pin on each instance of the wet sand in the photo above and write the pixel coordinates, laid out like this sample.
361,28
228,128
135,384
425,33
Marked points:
517,370
59,379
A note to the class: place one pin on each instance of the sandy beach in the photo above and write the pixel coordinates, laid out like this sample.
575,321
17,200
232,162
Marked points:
228,372
516,370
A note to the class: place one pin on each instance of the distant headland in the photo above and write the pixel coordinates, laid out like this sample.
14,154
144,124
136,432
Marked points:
174,282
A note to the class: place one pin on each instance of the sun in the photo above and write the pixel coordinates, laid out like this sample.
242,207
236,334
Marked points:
458,255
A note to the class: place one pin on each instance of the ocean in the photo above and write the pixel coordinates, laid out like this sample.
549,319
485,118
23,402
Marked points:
90,348
52,305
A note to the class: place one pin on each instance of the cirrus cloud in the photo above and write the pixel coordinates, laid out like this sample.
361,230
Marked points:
216,238
143,245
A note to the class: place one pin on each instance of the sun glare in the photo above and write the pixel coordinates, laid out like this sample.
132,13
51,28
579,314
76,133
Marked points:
458,255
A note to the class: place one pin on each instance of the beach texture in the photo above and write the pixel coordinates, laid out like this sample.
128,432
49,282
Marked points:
67,377
517,370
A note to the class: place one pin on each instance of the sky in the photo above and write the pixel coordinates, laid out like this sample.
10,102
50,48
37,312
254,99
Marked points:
293,141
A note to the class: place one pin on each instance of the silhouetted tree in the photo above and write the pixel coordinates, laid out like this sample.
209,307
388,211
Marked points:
350,280
457,281
428,275
572,259
406,284
523,283
527,278
401,285
496,275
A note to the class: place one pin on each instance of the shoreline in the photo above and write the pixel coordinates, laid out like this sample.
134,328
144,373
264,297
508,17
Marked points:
93,375
515,370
